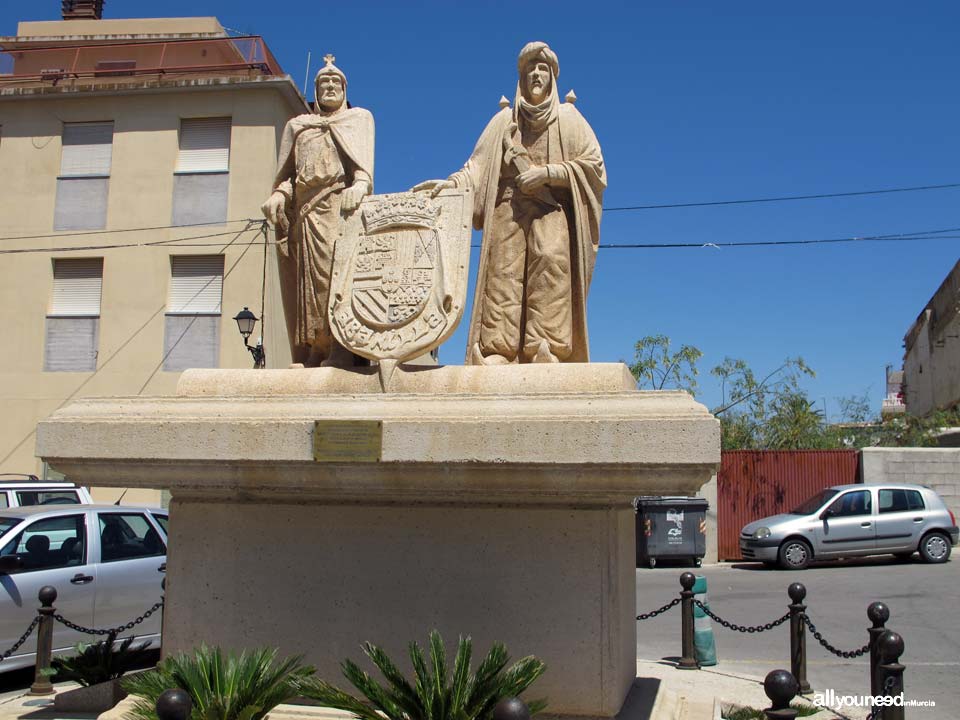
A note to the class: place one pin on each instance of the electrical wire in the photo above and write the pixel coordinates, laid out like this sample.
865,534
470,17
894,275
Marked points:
784,198
177,242
899,237
126,230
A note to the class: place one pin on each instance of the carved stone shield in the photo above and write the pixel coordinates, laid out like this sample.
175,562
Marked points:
400,268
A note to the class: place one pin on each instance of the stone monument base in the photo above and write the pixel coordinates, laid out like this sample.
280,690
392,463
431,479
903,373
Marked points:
494,502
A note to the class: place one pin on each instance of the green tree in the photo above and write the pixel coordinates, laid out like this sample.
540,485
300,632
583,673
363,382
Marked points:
766,412
794,424
656,367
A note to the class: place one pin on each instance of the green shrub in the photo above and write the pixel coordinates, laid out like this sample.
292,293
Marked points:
222,686
436,694
100,662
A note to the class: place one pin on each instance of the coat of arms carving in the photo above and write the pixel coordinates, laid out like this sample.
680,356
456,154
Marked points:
400,274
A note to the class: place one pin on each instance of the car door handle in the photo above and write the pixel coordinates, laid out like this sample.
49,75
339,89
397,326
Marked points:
162,568
865,525
81,579
920,519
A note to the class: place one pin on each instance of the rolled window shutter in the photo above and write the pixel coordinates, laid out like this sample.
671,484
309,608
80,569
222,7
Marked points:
71,344
204,145
87,149
196,284
77,284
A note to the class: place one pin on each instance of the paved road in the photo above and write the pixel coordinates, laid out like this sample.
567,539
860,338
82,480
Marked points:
924,603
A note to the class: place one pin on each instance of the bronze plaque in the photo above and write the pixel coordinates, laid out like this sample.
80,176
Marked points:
347,441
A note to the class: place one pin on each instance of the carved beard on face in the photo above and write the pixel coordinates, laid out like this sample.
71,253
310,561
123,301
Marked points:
318,108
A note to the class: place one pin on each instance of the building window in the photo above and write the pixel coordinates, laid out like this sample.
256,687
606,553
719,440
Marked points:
73,323
203,172
192,332
84,176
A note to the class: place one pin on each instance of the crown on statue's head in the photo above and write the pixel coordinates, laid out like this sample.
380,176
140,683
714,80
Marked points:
400,209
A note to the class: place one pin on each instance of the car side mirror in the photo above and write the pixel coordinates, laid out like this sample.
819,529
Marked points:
10,564
827,514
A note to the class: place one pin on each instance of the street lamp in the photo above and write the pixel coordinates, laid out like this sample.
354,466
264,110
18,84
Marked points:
245,322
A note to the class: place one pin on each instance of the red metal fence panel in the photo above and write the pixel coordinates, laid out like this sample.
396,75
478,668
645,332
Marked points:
752,484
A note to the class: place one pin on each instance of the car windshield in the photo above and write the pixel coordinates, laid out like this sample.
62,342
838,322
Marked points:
811,505
6,523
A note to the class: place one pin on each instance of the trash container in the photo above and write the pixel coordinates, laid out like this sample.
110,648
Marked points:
672,528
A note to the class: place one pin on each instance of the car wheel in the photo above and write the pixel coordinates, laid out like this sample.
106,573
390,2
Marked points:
935,548
795,555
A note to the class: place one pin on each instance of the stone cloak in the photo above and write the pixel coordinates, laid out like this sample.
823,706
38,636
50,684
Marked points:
583,160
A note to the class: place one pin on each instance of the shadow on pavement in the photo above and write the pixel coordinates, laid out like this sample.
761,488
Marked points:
640,700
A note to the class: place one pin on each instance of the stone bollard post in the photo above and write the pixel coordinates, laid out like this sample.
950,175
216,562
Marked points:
508,709
781,687
688,660
174,704
890,674
41,683
798,636
878,613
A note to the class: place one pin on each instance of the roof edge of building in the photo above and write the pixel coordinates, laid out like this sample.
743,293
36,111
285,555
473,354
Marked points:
281,83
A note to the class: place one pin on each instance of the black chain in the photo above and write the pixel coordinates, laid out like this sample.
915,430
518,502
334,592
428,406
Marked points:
848,654
116,631
742,628
22,640
659,611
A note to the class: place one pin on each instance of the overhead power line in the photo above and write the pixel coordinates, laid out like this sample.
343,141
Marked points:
176,242
128,230
785,198
898,237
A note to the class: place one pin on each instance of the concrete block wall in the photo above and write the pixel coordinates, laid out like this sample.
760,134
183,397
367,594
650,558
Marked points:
938,468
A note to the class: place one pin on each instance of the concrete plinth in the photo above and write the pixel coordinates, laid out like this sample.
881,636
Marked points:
499,507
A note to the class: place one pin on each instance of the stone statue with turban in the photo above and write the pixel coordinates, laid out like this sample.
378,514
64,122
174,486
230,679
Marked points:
537,177
325,169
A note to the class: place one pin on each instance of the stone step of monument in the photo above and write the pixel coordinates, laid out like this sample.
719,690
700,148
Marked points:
673,705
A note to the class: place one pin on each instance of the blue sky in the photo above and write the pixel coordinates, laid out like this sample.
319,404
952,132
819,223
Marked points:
692,102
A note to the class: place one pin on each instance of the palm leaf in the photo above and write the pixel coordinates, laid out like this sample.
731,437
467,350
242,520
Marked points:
461,677
222,687
434,694
403,694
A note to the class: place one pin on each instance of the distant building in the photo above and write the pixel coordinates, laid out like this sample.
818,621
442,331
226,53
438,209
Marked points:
132,154
931,361
893,403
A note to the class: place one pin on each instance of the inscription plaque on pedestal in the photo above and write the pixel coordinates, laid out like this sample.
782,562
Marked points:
347,441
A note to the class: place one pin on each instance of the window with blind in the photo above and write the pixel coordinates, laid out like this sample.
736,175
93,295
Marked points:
203,172
192,331
73,321
83,182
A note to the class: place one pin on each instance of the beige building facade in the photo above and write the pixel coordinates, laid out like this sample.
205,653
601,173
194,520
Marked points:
931,360
135,155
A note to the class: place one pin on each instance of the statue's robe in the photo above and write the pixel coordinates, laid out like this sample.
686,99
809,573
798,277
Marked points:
580,156
320,156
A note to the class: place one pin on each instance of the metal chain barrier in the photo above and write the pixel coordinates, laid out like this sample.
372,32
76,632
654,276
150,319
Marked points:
848,654
742,628
659,611
117,630
22,640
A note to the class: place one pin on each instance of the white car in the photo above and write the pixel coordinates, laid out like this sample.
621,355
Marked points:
19,490
106,563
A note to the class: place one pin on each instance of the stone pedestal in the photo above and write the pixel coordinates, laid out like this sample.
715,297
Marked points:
499,506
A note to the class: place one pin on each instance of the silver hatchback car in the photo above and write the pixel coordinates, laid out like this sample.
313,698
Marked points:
106,563
853,521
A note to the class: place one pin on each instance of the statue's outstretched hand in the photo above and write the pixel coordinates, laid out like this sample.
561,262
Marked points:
275,210
433,186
